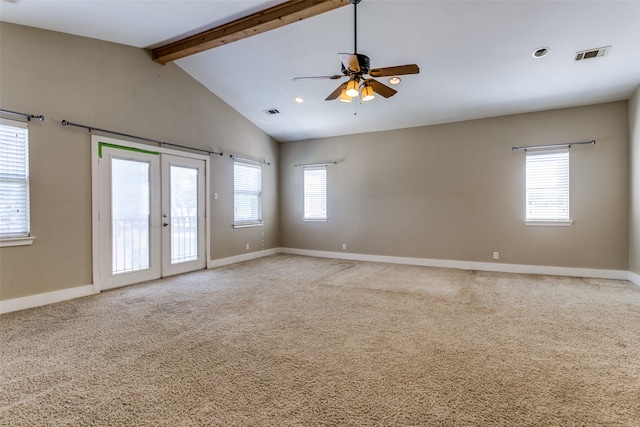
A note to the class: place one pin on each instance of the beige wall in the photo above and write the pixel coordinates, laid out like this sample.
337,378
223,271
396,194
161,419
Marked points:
456,191
452,191
634,183
119,88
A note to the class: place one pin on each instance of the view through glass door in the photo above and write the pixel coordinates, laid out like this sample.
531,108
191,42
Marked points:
183,215
151,215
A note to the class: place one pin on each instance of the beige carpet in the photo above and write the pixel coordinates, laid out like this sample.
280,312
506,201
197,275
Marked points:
287,340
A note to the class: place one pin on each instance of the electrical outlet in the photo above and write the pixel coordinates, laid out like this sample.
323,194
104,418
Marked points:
247,246
344,246
496,255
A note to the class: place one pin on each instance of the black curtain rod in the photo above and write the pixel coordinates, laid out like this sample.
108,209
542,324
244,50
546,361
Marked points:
540,147
160,143
28,116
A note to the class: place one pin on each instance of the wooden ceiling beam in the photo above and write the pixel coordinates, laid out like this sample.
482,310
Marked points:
251,25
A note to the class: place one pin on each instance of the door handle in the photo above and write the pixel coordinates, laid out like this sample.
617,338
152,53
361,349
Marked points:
164,224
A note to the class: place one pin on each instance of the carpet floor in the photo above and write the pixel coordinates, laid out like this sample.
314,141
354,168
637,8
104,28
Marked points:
298,341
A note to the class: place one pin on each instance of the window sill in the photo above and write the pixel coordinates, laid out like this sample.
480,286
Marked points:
315,219
256,224
550,223
16,241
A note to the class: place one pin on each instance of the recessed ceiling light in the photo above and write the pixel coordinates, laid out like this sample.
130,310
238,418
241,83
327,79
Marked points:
298,99
540,53
394,80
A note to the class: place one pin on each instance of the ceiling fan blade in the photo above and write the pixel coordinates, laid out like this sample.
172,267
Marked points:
395,71
380,88
336,93
334,77
350,62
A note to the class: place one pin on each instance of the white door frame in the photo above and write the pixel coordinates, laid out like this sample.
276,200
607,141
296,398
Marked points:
95,195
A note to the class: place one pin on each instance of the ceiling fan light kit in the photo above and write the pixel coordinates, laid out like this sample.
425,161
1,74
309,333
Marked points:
352,88
367,93
356,66
344,97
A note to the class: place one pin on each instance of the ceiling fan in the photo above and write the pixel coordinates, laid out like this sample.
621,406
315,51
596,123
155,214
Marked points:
356,67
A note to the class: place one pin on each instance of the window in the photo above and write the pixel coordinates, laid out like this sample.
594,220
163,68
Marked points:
315,193
14,183
247,198
547,187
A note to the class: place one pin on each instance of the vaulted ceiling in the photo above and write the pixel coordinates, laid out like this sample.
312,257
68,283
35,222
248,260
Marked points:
475,57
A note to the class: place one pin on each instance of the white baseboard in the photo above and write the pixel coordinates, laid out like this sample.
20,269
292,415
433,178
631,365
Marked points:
468,265
213,263
16,304
634,278
38,300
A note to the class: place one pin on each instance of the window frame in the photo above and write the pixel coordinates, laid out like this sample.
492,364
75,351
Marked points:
253,222
307,215
561,181
21,238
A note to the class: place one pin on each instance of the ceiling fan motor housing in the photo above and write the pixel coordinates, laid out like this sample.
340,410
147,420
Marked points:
363,62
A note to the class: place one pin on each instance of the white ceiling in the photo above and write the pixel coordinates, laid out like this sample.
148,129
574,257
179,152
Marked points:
474,56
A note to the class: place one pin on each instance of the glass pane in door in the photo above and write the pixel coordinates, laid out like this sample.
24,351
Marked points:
130,204
184,214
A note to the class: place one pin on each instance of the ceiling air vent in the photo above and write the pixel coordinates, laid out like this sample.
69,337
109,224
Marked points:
592,53
271,111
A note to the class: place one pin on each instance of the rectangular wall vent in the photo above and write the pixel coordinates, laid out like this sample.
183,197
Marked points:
592,53
271,111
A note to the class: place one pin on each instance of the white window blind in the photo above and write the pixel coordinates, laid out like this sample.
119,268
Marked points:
14,179
315,193
247,184
547,186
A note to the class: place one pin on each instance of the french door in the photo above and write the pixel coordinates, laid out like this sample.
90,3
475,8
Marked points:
151,214
183,214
